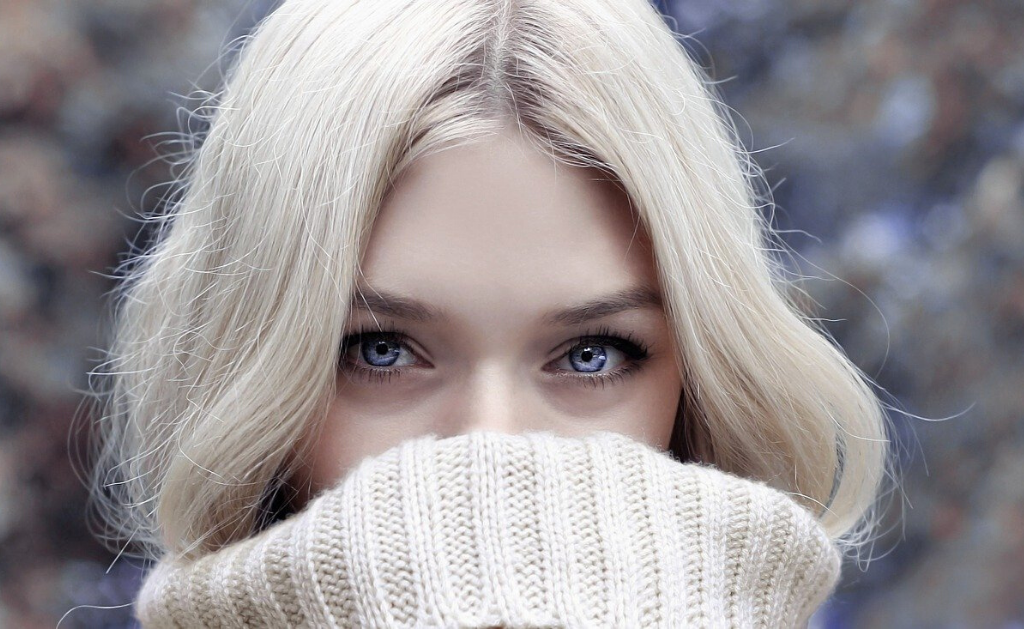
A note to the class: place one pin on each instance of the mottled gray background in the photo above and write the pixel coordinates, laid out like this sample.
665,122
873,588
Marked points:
892,135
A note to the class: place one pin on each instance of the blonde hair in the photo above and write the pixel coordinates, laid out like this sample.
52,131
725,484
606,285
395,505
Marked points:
228,329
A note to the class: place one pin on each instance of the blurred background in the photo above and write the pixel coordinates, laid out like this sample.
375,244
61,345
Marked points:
892,133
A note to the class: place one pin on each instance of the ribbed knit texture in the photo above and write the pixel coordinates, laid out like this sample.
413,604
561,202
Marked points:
533,530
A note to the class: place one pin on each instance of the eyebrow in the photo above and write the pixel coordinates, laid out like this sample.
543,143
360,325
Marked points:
409,309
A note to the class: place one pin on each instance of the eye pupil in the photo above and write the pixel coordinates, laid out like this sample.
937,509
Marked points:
587,355
381,349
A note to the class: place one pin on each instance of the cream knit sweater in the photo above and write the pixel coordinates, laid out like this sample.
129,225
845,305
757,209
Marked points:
534,530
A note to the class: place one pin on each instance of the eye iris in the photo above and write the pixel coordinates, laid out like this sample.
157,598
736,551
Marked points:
381,354
592,357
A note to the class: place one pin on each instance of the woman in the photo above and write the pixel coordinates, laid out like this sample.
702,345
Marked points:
430,249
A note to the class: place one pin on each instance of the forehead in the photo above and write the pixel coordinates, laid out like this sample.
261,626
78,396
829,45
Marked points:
498,220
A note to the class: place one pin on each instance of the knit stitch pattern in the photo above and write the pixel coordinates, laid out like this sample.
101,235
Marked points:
487,529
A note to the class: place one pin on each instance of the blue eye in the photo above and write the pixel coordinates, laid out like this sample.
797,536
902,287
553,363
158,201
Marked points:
380,349
602,355
379,355
591,357
382,353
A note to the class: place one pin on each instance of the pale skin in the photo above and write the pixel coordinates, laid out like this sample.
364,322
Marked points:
484,270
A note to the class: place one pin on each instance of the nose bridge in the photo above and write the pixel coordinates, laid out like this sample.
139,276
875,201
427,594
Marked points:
491,400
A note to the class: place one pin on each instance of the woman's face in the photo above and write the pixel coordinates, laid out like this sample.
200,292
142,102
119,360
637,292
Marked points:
501,292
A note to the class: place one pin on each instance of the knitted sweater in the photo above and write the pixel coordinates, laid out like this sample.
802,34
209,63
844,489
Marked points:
535,530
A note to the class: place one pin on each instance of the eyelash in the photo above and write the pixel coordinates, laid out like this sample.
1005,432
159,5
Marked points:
636,352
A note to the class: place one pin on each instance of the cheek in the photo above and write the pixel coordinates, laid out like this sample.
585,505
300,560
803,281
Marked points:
652,414
355,429
329,456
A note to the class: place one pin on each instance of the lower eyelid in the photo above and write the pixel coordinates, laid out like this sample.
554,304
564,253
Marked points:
380,375
374,375
602,378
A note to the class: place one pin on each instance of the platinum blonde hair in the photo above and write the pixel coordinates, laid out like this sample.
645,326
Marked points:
227,330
